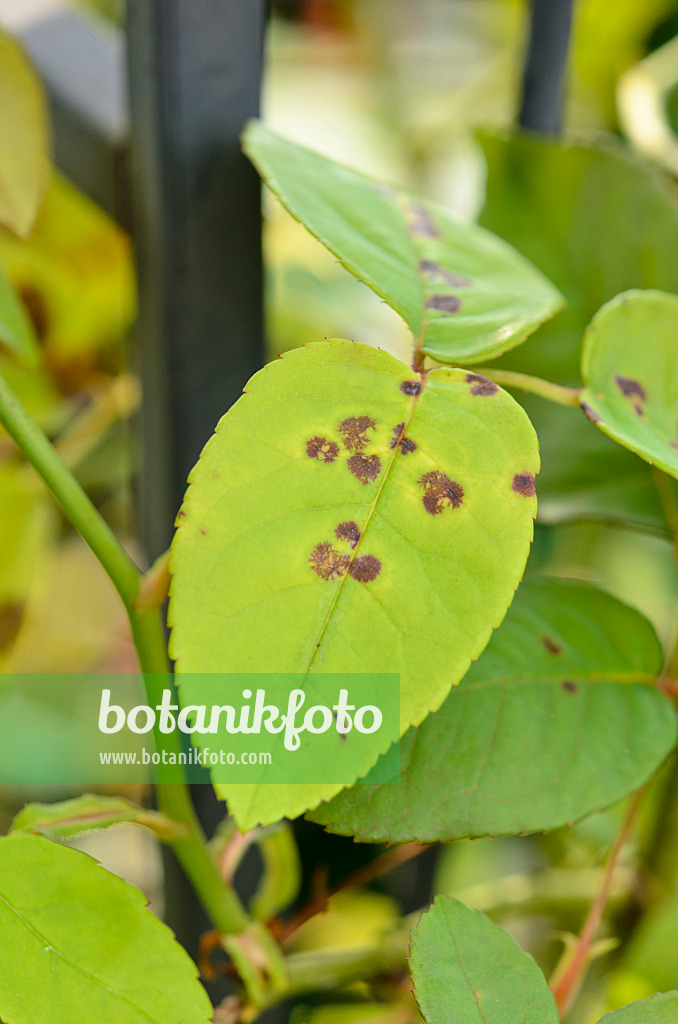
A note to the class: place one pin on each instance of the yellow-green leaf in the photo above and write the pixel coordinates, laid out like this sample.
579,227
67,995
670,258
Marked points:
630,366
350,515
24,161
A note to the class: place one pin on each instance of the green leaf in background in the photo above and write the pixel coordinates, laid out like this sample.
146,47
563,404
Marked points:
79,945
467,970
16,329
24,160
558,718
630,367
659,1009
90,812
352,516
465,295
597,223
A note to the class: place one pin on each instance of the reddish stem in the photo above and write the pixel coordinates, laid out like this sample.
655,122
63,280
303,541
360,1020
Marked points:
567,987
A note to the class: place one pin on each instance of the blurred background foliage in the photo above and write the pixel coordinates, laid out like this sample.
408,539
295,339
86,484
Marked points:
421,93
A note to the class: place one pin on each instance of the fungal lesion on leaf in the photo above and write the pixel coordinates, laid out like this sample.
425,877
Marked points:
444,303
523,483
353,432
322,449
436,272
634,391
411,388
328,563
551,645
590,413
407,445
364,568
348,531
365,468
569,686
481,386
420,222
440,492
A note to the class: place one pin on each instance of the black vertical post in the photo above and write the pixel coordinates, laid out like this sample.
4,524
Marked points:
194,79
194,75
545,66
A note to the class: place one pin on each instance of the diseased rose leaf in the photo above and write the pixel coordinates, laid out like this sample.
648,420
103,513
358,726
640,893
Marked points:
467,970
351,516
79,944
630,368
466,295
558,718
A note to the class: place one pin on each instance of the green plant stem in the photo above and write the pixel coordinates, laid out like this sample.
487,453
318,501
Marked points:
523,382
219,899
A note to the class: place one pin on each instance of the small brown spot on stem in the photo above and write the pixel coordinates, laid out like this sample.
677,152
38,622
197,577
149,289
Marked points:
349,531
435,272
551,645
569,686
322,449
631,388
327,562
421,222
444,303
591,413
365,568
481,385
440,492
523,483
365,467
353,432
410,387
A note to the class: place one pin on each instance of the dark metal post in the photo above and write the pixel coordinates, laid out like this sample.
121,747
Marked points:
545,66
194,71
194,74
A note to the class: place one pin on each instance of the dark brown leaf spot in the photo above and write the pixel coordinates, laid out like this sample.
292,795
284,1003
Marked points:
322,449
365,467
631,388
410,387
406,445
365,568
444,303
435,272
327,562
638,409
354,432
551,645
440,492
481,385
523,483
569,686
421,222
349,531
591,413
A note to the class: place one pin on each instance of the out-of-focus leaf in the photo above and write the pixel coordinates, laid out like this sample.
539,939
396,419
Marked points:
597,223
466,969
465,295
558,718
630,367
90,812
646,99
16,330
84,946
322,532
659,1009
24,161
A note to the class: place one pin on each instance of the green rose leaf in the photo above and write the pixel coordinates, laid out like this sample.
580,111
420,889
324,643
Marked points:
630,367
352,516
81,945
659,1009
24,161
597,223
467,970
558,718
465,295
90,812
